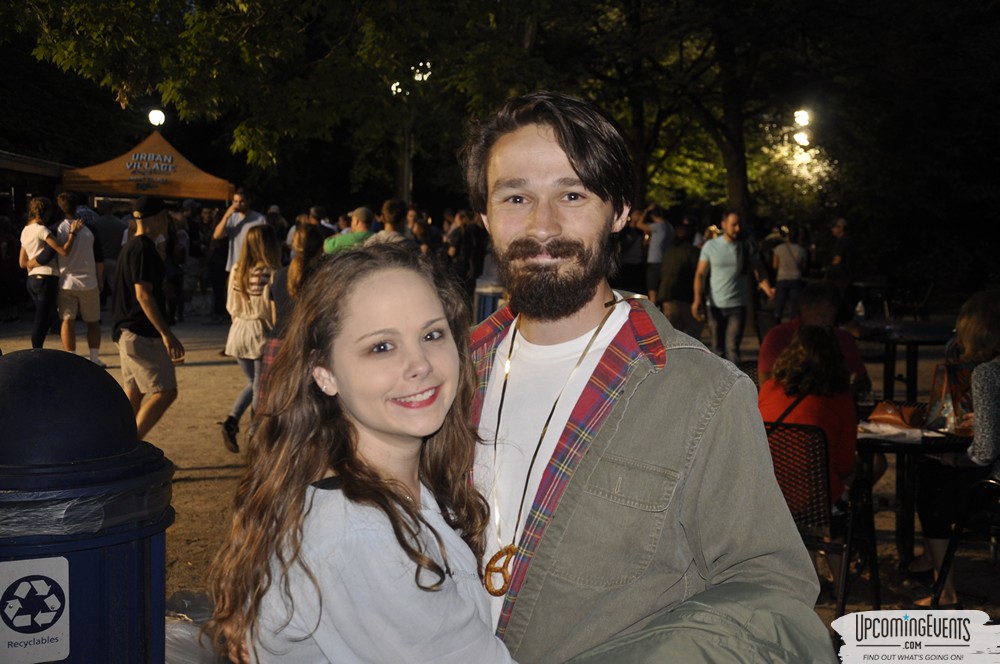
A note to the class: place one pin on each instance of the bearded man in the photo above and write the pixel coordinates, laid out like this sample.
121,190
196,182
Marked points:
627,468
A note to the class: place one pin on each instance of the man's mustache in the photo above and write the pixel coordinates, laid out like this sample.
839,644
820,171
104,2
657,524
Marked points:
526,248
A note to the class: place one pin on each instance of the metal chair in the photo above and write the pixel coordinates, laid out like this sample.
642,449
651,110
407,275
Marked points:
801,466
749,367
983,496
913,303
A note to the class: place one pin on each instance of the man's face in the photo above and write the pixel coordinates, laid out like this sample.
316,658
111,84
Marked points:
551,235
240,203
838,231
731,226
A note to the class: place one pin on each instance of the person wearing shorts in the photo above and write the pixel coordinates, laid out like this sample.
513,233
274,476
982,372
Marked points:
81,272
146,346
146,364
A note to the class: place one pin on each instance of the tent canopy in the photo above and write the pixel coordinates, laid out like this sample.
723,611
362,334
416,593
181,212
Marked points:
153,167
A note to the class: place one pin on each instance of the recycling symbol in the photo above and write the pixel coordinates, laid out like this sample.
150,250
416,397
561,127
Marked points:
32,604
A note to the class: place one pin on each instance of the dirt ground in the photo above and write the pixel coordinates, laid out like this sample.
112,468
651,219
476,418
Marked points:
206,475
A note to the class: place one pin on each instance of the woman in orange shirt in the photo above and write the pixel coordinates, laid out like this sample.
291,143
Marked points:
810,385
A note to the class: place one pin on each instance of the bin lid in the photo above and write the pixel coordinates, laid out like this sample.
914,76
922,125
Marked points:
59,408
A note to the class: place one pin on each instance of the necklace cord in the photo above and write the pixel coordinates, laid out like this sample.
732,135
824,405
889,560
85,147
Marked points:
501,561
503,392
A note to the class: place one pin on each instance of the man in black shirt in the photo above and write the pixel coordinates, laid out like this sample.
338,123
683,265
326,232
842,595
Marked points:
146,346
841,270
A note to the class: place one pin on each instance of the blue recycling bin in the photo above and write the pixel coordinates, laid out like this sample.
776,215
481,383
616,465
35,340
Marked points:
84,509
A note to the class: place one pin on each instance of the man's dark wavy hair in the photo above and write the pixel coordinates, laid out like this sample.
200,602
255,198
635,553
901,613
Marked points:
593,142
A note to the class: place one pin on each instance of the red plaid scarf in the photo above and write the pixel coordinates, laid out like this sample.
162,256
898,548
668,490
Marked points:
637,340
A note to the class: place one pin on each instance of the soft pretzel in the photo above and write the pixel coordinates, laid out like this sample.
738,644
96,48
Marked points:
496,567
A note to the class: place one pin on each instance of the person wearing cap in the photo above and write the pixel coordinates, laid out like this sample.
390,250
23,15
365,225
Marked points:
361,222
147,347
81,276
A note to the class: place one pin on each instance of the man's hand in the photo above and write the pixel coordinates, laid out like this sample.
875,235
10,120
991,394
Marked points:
696,311
768,289
174,346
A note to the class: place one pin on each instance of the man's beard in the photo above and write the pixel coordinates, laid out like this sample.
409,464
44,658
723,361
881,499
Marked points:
541,292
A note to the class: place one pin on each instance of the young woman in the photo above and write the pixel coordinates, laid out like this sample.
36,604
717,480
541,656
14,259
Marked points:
357,536
944,480
810,385
307,250
249,305
43,279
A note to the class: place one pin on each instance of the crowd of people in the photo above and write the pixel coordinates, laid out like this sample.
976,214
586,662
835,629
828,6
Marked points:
712,274
576,478
71,255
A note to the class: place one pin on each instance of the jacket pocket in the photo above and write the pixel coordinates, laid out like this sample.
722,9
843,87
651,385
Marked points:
615,530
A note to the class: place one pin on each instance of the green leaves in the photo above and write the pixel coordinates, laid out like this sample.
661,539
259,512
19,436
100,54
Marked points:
904,90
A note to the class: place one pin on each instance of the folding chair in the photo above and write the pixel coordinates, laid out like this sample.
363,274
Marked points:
982,496
801,466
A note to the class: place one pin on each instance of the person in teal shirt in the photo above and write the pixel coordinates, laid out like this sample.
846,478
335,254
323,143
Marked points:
725,262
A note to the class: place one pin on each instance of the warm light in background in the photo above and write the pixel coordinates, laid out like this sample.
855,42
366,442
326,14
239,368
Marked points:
802,118
156,117
802,138
422,71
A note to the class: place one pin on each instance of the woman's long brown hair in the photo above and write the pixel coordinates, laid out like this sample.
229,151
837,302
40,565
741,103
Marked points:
259,248
978,327
812,363
303,434
308,245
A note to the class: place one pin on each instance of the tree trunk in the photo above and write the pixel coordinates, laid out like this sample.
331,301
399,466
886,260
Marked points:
733,143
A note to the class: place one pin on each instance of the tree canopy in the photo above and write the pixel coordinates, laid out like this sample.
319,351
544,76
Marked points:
902,92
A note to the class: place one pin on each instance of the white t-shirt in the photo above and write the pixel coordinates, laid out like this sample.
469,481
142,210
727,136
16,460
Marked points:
372,609
537,374
661,237
236,230
77,271
33,240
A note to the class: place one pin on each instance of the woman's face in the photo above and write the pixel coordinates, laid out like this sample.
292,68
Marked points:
394,365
